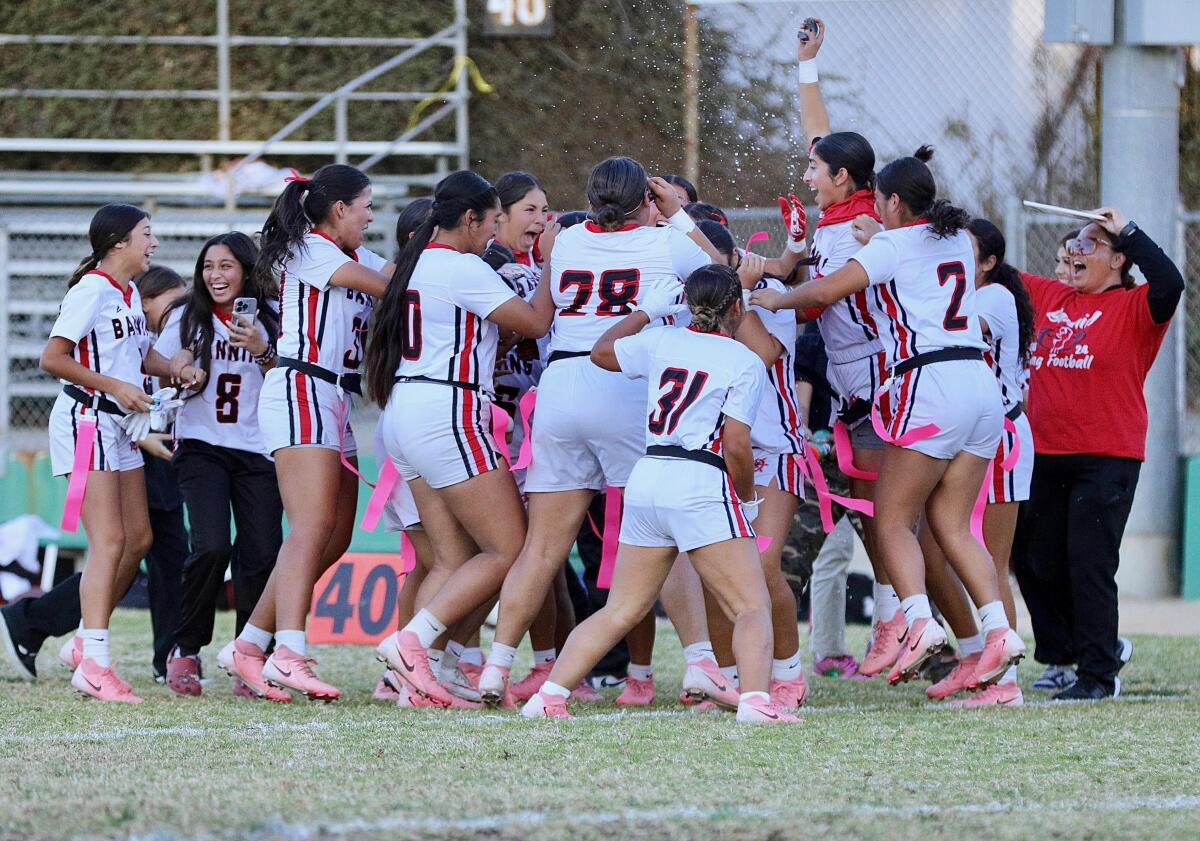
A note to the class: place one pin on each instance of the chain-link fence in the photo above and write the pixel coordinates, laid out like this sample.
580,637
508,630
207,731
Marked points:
1189,368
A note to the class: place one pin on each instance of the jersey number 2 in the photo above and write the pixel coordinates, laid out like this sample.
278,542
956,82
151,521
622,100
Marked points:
618,291
670,409
229,386
955,271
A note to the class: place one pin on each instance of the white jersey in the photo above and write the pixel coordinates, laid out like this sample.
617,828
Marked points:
696,380
106,325
598,275
450,296
319,323
996,305
522,374
847,327
777,427
225,412
924,290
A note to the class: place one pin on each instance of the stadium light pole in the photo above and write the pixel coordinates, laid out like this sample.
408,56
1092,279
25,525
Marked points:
1139,172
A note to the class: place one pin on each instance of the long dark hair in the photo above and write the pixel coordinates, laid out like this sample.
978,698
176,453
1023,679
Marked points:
911,180
453,197
196,331
111,224
156,280
991,244
850,151
302,205
688,187
710,291
411,218
514,186
616,189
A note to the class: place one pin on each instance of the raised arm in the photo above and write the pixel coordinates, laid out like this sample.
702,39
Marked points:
814,119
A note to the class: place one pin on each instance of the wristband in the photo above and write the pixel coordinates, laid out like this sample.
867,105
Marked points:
681,222
1127,231
806,71
267,357
797,247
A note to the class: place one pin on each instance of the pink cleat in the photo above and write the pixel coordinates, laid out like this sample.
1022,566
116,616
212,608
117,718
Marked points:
956,681
996,695
71,653
757,711
1001,648
885,645
923,640
242,690
243,660
405,656
844,667
472,672
531,684
789,694
584,692
183,674
386,689
286,669
637,693
543,705
102,683
493,687
703,679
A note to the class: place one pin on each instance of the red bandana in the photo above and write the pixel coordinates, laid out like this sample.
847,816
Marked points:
855,204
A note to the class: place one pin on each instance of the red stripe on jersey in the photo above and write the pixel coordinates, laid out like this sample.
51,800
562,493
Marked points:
314,350
743,530
998,473
792,424
864,311
348,252
901,404
893,311
126,292
85,358
475,441
302,406
468,348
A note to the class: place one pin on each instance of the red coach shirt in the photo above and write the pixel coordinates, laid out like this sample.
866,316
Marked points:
1088,367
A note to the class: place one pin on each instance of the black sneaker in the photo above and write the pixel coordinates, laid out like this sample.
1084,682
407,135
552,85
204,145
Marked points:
1086,689
22,659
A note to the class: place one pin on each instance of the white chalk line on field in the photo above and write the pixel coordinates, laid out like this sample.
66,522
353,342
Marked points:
227,731
405,823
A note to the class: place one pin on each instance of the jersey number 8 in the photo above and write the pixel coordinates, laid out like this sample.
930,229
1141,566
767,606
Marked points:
229,386
618,291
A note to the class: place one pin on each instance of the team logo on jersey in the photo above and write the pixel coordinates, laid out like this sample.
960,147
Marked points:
1065,343
130,325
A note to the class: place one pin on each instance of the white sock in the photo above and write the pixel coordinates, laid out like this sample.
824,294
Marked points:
788,668
1010,676
886,602
295,640
95,646
552,688
501,655
992,616
970,645
916,607
640,672
730,672
472,656
702,650
435,660
746,696
256,636
426,626
546,655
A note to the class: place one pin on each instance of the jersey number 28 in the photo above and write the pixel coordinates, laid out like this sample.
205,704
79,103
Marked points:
618,290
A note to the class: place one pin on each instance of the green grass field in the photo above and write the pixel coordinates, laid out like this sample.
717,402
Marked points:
868,762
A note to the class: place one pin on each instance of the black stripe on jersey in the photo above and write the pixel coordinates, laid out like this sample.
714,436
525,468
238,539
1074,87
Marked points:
324,315
458,330
300,344
473,374
1012,474
781,403
733,532
716,433
912,401
912,336
489,454
891,323
312,389
287,380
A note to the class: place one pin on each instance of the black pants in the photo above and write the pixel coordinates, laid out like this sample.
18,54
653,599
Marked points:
53,614
164,574
1066,554
214,480
589,544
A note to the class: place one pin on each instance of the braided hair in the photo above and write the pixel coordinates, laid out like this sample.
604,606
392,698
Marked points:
711,291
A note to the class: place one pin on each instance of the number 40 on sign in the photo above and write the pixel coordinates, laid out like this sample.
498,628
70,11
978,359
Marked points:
519,17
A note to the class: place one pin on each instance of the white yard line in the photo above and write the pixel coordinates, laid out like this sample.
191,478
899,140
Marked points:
233,730
641,817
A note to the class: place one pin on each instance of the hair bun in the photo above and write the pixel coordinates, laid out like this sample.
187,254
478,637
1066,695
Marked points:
924,153
609,214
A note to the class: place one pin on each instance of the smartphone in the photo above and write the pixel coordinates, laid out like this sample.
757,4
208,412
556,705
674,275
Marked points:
245,310
809,26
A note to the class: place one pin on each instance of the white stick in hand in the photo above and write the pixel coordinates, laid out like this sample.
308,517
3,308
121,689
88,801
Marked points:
1064,211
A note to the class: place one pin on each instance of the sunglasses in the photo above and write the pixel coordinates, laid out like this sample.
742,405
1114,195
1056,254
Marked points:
1084,245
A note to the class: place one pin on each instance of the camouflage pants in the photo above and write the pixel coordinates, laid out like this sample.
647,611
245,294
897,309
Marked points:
806,535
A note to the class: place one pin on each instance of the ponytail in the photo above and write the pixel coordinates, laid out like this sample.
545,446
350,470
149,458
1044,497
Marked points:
911,180
989,242
111,224
453,198
946,220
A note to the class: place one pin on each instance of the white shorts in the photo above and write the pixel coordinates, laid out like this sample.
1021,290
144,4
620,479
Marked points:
439,433
113,448
681,503
589,428
858,381
959,396
400,511
780,469
1013,485
298,410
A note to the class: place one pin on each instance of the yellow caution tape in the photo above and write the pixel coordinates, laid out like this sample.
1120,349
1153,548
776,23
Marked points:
460,63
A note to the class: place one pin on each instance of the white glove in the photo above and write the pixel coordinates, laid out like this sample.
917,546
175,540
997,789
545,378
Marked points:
165,406
136,425
751,508
663,300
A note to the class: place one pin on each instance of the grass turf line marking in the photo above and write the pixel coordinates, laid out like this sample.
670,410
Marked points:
141,732
648,816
